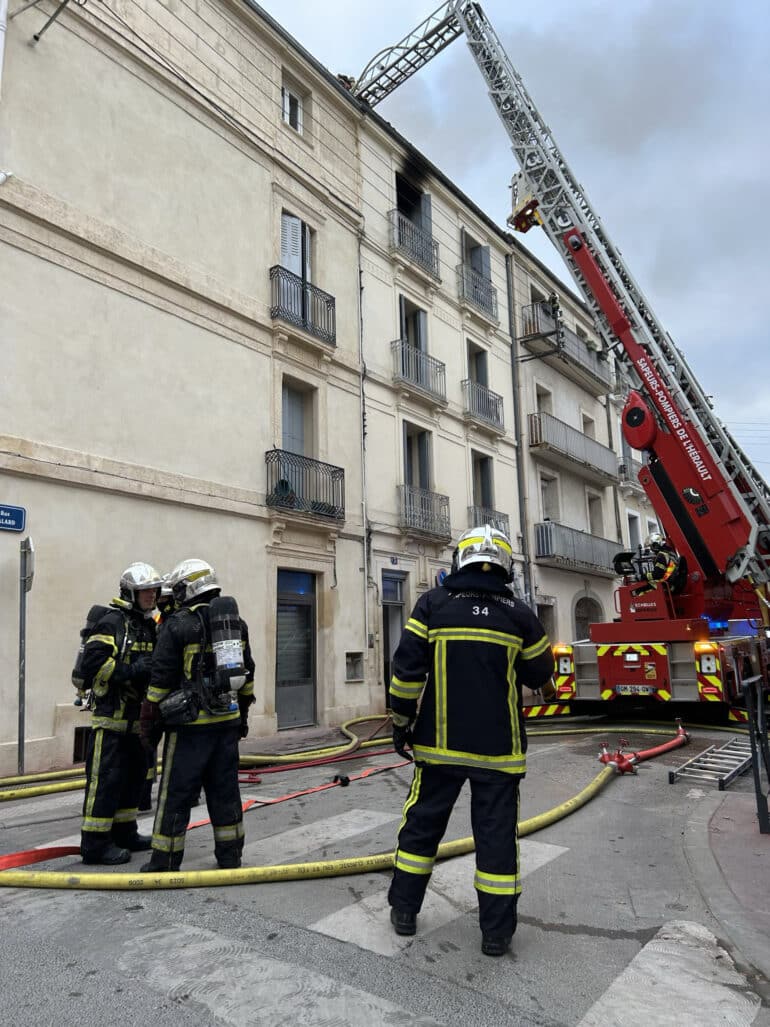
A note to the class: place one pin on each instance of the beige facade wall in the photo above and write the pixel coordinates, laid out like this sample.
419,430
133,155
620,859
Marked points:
144,372
152,164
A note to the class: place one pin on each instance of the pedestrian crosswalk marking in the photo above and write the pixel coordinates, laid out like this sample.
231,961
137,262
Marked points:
241,987
450,895
682,970
289,846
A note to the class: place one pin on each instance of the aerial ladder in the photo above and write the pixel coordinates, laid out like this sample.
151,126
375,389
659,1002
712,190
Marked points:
712,503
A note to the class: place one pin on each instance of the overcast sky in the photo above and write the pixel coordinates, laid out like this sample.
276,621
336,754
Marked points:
662,109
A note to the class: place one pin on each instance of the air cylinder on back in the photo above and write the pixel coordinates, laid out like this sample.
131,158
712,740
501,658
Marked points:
225,626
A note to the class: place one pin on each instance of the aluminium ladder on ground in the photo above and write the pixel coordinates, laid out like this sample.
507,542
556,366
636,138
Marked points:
721,764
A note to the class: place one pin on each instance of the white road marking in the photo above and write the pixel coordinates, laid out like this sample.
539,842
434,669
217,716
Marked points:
242,988
450,894
682,973
288,846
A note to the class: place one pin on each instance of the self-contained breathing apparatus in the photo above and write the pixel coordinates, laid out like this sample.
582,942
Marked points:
84,698
218,676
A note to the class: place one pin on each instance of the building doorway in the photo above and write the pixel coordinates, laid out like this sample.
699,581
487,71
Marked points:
295,651
392,622
587,612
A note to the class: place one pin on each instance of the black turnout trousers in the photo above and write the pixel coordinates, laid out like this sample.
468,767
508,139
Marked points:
494,820
197,757
116,767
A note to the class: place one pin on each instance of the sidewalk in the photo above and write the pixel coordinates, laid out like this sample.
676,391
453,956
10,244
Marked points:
730,861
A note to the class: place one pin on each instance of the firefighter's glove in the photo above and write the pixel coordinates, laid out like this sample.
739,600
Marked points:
402,736
150,725
244,701
548,691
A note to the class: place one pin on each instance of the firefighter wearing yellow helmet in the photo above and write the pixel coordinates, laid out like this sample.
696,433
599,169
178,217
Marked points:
465,651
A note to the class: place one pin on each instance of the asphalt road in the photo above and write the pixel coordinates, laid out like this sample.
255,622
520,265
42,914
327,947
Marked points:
613,928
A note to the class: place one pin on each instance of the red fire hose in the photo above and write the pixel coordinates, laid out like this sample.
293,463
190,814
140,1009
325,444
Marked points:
625,763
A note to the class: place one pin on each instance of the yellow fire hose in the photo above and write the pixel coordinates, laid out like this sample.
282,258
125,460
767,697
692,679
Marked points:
287,872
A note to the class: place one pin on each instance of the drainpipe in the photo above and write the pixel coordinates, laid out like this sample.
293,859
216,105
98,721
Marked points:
362,421
3,24
529,591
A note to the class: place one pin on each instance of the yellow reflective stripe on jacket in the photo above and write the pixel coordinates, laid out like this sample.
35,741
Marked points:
535,650
513,710
411,863
511,763
102,677
416,627
497,884
475,635
187,657
439,680
155,694
117,724
406,689
105,640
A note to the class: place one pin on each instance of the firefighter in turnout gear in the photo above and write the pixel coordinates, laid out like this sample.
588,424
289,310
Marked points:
464,653
667,564
203,710
116,667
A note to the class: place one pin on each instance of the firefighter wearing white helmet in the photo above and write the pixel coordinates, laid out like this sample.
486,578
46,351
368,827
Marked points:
455,697
116,669
666,566
201,688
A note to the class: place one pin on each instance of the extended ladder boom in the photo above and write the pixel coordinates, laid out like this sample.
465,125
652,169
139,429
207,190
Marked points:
731,497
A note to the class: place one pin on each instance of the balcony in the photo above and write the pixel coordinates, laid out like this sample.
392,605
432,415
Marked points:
477,292
557,443
628,473
556,545
573,357
482,406
303,305
414,243
298,483
424,513
418,371
483,515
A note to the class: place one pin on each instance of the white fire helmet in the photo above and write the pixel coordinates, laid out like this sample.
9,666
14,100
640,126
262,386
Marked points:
136,578
192,578
484,544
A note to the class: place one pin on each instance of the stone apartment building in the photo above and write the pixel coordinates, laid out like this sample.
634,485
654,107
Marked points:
246,320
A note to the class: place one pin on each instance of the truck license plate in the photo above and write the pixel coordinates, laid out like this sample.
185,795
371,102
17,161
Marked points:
634,689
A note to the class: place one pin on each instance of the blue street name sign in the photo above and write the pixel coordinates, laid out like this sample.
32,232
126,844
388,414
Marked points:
12,518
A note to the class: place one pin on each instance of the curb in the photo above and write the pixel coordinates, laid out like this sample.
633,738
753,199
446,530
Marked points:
751,941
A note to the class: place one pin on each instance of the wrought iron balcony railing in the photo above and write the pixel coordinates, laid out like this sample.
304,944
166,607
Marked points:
424,513
414,243
477,290
560,546
570,447
296,482
484,515
539,335
481,404
302,304
416,368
